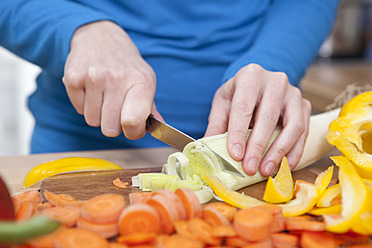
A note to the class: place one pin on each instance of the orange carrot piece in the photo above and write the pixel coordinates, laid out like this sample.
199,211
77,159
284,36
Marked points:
45,241
138,238
190,202
261,244
182,229
139,197
67,215
202,231
30,195
105,230
175,200
139,218
167,212
253,224
105,208
61,199
214,217
361,246
318,239
351,238
284,240
44,205
25,211
173,241
225,209
116,245
120,184
276,211
79,238
236,242
292,224
223,231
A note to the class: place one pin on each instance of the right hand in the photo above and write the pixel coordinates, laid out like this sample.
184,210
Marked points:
108,81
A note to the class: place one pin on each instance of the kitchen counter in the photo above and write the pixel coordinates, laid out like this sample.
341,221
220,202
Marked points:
13,169
326,80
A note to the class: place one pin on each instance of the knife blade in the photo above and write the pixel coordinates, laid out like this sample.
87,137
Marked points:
177,139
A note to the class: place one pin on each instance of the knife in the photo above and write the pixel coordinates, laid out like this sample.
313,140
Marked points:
177,139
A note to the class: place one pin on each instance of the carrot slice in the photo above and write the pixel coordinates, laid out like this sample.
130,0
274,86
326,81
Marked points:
139,218
30,195
45,241
120,184
105,230
224,231
79,238
202,231
174,199
292,224
318,239
361,246
182,229
137,238
105,208
190,202
225,209
175,240
167,212
116,245
139,197
236,242
25,211
44,205
253,224
67,215
261,244
284,240
61,199
214,217
276,211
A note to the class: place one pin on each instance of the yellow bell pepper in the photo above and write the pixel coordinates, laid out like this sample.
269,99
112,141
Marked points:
351,133
64,165
357,200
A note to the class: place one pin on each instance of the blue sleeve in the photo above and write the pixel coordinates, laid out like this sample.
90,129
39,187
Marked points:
40,30
290,37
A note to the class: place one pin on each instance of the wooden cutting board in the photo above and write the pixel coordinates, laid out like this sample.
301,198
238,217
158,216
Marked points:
85,185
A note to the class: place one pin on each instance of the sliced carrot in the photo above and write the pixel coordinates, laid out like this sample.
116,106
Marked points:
120,184
137,238
173,241
25,211
79,238
67,215
105,208
30,195
190,202
253,224
361,246
292,224
105,230
284,240
116,245
318,239
139,218
61,199
182,229
261,244
167,212
45,241
276,211
139,197
214,217
226,209
223,231
175,200
202,231
44,205
351,238
236,242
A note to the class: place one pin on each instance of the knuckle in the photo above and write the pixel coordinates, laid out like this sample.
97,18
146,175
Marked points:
130,122
298,127
74,80
258,148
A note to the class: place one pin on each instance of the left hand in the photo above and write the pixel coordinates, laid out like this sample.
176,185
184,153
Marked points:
269,98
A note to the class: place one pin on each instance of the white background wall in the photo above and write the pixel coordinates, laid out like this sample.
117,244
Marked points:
17,81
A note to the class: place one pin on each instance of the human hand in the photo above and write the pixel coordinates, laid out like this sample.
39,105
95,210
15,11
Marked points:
108,81
270,99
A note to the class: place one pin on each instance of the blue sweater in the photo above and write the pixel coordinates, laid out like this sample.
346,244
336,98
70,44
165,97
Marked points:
193,46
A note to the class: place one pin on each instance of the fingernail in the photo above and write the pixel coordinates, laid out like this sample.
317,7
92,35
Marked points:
269,168
237,151
253,164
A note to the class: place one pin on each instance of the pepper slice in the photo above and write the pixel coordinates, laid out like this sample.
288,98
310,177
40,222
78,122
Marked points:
64,165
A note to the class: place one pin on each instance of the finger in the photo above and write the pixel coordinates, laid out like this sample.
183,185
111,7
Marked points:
111,113
94,97
293,129
219,115
75,92
266,119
